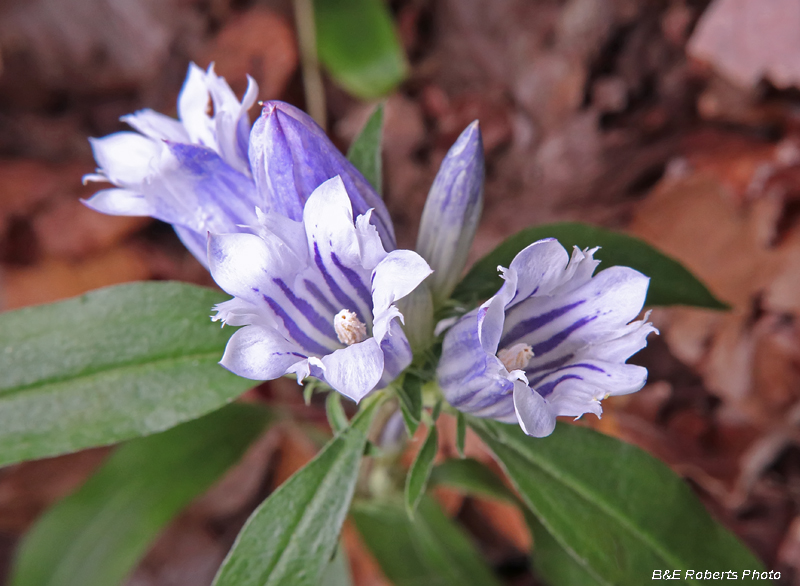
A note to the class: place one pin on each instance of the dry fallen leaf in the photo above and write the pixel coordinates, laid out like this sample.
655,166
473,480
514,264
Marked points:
52,280
751,40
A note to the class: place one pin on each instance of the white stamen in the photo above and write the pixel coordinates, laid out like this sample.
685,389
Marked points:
349,329
516,357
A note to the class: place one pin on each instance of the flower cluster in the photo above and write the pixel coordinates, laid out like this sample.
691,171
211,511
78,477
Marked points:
306,247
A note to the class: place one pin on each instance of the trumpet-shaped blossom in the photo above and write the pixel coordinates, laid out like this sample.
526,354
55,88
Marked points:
452,211
316,297
552,341
195,173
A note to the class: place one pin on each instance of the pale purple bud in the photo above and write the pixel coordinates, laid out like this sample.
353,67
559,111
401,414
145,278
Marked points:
452,212
290,156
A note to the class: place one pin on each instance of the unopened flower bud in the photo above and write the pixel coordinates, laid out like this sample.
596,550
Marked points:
452,212
290,156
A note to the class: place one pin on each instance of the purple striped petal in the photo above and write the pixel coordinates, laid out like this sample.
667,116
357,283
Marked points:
335,248
260,354
244,265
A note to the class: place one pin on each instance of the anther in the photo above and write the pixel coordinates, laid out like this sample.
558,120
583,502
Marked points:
349,329
516,357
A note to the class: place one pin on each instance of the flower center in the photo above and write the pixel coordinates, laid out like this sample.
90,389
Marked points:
516,357
349,329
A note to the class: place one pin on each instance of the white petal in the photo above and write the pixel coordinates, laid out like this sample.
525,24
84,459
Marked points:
533,413
382,321
292,233
221,93
260,354
193,104
250,96
119,202
328,218
236,312
575,399
579,270
126,158
356,370
156,125
397,275
491,315
372,251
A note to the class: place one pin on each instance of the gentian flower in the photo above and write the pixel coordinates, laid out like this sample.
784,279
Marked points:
316,297
452,211
195,173
552,341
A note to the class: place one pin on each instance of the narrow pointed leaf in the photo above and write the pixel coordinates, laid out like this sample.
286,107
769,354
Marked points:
291,536
461,433
365,152
410,395
359,47
552,562
670,282
338,571
471,477
420,470
431,550
616,510
335,412
110,365
96,535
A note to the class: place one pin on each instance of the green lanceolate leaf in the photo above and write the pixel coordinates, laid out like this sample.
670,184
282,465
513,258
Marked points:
616,510
670,282
338,571
471,477
96,535
108,366
552,562
420,470
290,538
357,44
431,550
461,433
365,152
410,395
337,418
